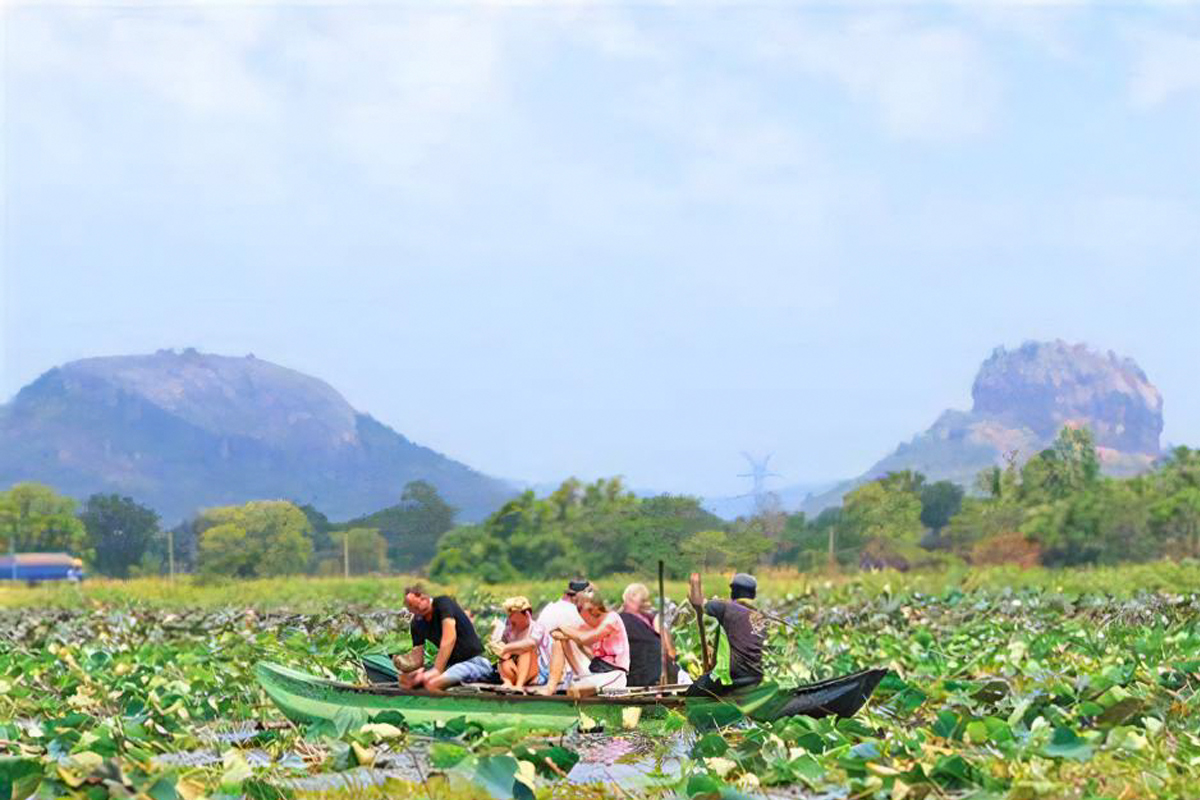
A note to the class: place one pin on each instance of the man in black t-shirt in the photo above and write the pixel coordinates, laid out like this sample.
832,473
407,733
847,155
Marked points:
459,657
745,629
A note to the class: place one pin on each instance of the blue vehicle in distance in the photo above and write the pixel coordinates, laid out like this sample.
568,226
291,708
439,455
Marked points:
34,568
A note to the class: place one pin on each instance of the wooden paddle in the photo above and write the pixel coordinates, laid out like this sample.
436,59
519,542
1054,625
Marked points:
705,660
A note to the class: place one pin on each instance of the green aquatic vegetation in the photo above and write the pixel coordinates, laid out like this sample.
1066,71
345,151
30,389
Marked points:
1020,691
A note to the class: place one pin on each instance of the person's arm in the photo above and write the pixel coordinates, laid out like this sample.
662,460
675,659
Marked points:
716,608
586,637
449,637
520,645
534,634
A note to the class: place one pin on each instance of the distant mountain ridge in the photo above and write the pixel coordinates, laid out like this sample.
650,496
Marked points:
179,431
1021,399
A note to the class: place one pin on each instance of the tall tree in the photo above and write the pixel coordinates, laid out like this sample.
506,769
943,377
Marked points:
36,518
884,510
939,502
412,527
365,550
260,538
427,516
1069,465
707,550
662,525
119,531
323,542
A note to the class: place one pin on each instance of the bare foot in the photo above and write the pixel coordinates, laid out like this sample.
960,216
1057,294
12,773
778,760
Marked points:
544,691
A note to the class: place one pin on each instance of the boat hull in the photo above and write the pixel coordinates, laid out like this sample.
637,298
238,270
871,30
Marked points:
305,698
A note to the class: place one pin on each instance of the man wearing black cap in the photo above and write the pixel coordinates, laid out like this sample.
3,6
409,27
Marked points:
745,630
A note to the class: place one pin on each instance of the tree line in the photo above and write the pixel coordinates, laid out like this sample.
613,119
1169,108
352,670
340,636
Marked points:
1055,509
118,537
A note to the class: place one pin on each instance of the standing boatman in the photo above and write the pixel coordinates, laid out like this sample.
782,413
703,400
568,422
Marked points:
745,630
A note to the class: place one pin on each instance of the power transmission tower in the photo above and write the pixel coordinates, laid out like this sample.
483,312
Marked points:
759,472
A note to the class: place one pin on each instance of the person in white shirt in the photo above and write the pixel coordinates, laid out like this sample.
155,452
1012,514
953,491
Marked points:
563,612
522,646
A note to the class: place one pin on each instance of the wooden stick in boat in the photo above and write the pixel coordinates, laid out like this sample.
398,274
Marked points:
662,624
704,658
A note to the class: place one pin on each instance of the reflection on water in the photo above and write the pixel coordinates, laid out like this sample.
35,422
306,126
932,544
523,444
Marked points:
632,761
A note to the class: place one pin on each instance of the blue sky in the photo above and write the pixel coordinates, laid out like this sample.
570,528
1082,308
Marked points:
594,238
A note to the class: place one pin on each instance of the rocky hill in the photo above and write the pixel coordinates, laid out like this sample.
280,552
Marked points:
181,431
1022,398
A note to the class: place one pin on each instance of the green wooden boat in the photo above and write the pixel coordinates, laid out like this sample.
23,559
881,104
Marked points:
305,698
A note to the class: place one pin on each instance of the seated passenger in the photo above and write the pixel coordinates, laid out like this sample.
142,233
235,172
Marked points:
522,645
604,633
646,639
459,657
560,613
745,629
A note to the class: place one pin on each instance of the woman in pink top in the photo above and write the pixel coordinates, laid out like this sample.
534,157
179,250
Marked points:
603,633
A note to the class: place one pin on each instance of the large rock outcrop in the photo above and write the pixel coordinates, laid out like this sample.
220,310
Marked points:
181,431
1022,399
1044,386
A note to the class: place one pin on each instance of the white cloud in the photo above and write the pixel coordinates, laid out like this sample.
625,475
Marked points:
927,82
196,60
1166,64
400,90
237,86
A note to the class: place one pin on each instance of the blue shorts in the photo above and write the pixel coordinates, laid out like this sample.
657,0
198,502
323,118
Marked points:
469,671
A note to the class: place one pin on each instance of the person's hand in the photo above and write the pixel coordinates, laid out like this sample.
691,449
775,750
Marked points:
670,612
558,634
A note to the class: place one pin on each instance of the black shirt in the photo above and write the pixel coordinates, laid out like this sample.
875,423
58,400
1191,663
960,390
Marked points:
466,644
645,651
746,630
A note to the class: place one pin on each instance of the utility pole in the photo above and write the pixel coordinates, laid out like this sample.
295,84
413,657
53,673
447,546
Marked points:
171,552
832,546
345,554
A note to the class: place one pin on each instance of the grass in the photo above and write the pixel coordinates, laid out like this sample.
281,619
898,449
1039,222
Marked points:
313,593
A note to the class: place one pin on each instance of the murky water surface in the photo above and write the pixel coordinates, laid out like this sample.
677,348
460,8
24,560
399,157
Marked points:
632,761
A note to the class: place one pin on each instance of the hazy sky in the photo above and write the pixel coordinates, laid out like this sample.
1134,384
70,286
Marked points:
600,238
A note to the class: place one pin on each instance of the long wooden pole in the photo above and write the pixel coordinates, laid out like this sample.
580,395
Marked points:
704,659
345,554
662,624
